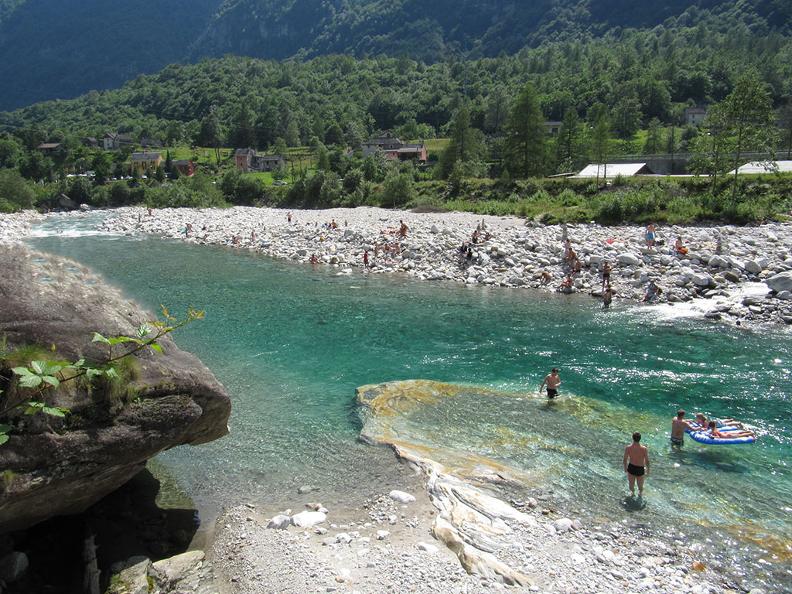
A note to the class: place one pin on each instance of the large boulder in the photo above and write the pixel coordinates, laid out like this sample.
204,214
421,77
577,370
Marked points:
628,259
780,282
63,467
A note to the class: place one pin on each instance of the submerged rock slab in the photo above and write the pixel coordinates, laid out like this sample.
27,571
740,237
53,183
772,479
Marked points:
171,399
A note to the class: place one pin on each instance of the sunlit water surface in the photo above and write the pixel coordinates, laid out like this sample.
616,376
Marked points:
292,343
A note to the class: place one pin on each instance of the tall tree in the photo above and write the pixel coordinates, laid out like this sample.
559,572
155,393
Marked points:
627,116
243,131
748,111
497,110
654,138
211,133
525,136
600,138
466,144
785,120
568,140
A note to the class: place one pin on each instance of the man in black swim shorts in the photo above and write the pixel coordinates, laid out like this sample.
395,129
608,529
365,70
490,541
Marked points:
636,463
552,380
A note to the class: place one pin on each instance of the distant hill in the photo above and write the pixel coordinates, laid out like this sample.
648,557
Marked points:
62,48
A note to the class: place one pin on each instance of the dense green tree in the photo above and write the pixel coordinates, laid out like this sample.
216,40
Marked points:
654,138
465,145
11,152
627,117
525,136
243,132
334,135
211,133
785,122
15,192
398,189
600,136
749,118
497,111
280,148
568,141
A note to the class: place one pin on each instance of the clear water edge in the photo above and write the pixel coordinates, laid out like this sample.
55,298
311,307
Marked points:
291,344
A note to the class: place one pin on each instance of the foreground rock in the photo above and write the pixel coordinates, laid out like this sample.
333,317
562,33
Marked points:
720,265
62,466
188,572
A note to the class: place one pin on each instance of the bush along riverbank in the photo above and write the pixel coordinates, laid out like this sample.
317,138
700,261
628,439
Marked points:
743,274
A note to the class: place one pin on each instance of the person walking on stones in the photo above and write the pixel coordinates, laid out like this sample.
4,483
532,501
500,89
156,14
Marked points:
606,272
650,235
636,464
552,381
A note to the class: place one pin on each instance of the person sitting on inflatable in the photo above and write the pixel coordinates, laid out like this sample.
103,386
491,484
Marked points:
679,247
713,431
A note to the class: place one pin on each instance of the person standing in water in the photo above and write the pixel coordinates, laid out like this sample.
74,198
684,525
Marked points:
636,464
552,380
678,427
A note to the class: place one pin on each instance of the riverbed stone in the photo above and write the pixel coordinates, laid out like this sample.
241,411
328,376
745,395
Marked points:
308,519
279,522
401,496
780,282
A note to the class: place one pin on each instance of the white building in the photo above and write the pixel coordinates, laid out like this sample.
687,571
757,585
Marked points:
611,170
763,167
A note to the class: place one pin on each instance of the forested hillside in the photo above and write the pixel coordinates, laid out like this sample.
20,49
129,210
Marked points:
639,76
62,48
440,29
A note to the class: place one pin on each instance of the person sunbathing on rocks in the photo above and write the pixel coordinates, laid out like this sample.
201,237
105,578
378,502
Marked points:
546,277
566,285
680,247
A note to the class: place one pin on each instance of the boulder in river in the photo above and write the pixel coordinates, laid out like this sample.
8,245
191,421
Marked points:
780,282
62,466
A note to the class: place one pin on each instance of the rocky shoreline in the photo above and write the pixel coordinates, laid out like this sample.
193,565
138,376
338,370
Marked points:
388,546
730,273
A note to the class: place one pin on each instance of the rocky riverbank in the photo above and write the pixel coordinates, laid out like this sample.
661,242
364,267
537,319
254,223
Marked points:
388,546
16,226
742,274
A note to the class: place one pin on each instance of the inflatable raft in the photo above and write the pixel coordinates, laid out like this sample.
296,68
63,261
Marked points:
703,435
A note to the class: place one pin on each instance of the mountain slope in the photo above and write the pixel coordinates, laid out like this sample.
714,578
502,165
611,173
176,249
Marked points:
61,48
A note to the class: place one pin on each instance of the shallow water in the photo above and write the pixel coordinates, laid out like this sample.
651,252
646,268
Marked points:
292,343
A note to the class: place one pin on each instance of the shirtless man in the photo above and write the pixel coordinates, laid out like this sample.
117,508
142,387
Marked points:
552,380
636,463
678,427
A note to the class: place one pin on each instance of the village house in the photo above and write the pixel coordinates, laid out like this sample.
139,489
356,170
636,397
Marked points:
148,142
695,116
145,162
247,160
50,148
552,128
90,142
395,150
185,167
112,141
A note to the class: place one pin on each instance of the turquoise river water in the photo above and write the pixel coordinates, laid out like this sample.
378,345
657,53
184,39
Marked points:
292,343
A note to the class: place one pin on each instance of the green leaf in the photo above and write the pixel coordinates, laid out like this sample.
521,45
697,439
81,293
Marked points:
155,347
3,438
21,371
5,428
37,367
78,363
54,411
122,339
34,407
30,381
52,381
99,338
111,373
143,330
92,372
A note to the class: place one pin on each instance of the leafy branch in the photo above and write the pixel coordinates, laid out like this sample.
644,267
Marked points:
41,376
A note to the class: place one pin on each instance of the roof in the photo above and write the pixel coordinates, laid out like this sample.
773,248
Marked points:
244,151
270,157
383,140
614,170
48,145
146,156
182,162
696,109
759,167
